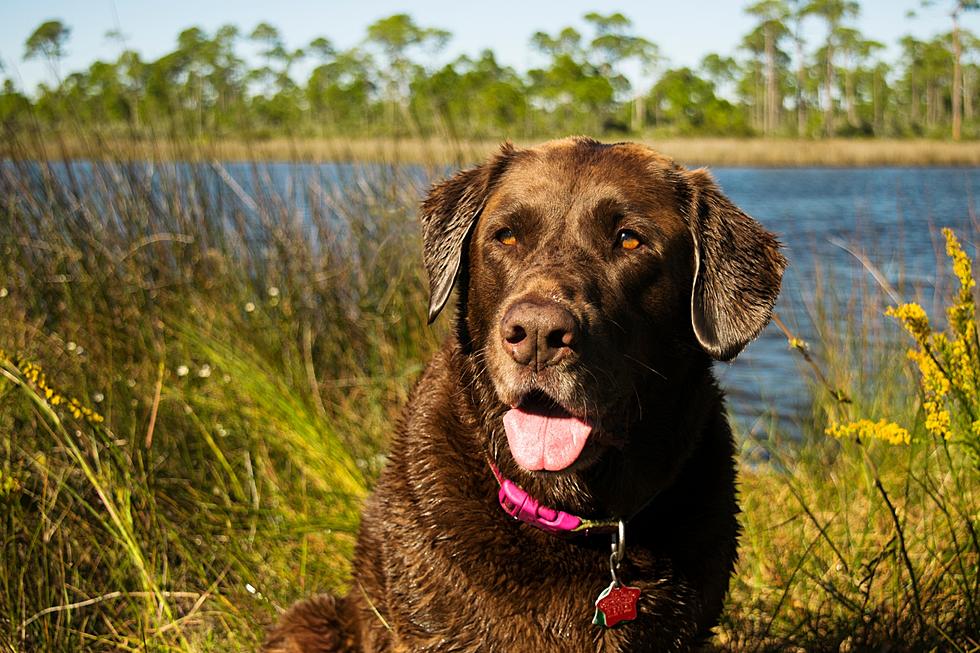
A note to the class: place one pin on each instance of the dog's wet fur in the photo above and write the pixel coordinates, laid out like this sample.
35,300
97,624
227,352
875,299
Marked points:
439,566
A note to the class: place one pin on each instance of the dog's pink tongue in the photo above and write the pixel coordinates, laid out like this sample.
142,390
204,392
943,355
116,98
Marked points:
550,441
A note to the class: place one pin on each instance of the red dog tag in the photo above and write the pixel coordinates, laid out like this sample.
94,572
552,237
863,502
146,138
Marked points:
616,603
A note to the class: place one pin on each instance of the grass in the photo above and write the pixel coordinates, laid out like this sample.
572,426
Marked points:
244,344
761,152
248,361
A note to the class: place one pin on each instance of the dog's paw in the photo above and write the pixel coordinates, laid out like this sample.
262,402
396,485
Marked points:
313,625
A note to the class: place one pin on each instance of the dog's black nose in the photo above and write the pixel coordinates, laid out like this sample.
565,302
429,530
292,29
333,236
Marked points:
538,333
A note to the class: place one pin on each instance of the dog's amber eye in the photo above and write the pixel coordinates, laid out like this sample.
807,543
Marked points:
506,237
628,239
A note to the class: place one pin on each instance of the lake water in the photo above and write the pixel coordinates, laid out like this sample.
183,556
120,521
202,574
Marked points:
890,215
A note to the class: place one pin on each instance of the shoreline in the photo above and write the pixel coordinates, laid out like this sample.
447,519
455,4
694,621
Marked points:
717,152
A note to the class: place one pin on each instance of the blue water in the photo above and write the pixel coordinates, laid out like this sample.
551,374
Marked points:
891,216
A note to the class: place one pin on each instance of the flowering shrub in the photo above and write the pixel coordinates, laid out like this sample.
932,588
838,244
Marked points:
947,364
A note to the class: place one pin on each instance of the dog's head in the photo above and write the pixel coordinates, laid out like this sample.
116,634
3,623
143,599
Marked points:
590,277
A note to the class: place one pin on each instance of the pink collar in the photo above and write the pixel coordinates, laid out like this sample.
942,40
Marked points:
617,602
520,505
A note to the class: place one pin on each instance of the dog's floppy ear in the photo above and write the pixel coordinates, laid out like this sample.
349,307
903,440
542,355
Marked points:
737,271
448,215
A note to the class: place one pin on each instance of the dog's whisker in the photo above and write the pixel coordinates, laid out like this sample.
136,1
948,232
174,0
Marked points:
639,402
616,324
644,365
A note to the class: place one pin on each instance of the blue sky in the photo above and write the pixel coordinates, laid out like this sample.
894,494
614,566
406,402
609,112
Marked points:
684,30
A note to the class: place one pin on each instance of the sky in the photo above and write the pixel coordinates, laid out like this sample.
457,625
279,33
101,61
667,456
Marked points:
684,30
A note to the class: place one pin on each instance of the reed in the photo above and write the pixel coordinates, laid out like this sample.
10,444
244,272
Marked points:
754,152
245,345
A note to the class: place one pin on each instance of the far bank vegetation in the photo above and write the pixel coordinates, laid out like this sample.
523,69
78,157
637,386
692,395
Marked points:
804,71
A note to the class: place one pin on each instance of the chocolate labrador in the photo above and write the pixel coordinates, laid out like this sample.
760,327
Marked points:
564,477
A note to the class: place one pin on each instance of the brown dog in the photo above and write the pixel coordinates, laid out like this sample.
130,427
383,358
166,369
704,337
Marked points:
596,284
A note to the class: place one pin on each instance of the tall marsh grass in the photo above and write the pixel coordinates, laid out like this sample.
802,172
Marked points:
201,365
245,350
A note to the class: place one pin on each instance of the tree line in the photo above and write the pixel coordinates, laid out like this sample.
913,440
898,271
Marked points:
775,84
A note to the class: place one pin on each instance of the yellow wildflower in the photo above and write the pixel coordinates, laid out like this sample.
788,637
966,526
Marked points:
961,313
962,267
935,386
960,316
798,344
913,317
933,381
938,419
35,376
866,429
962,367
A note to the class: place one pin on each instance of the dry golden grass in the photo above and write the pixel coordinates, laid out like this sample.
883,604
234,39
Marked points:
380,150
832,152
691,151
